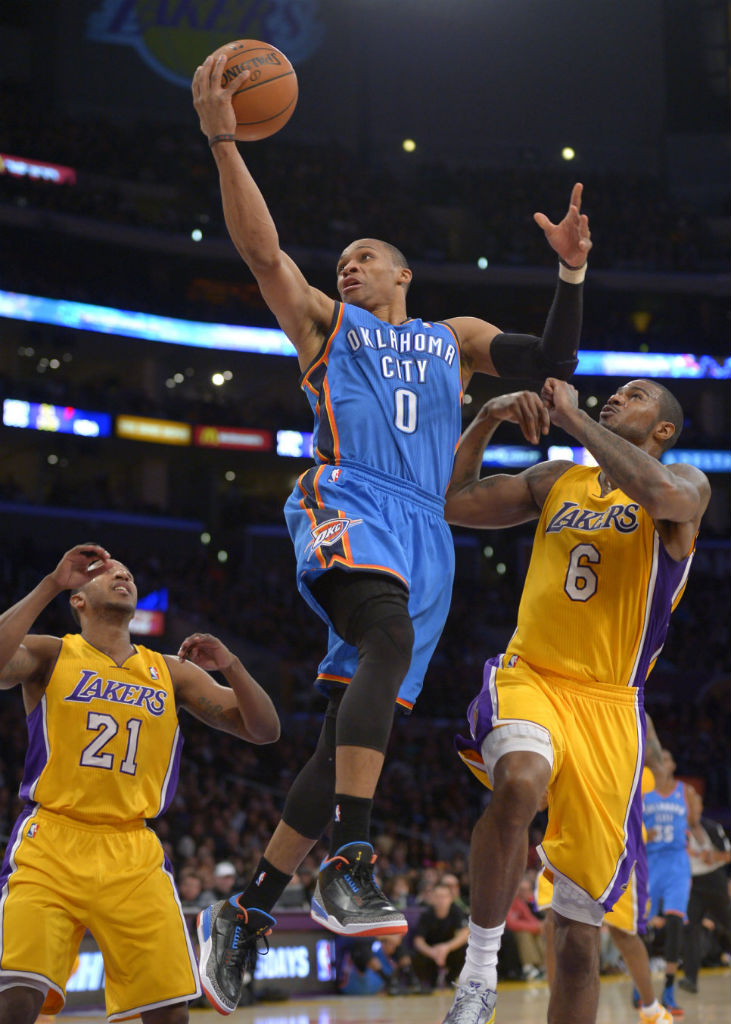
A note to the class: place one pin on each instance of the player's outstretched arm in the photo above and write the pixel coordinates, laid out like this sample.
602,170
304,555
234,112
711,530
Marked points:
500,499
486,349
24,658
675,494
304,313
245,710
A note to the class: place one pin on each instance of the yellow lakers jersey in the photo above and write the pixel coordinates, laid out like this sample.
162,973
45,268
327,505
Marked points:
600,586
103,742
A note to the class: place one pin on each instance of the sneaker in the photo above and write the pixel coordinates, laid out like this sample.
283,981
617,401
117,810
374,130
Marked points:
668,1001
228,935
474,1003
347,899
688,985
661,1016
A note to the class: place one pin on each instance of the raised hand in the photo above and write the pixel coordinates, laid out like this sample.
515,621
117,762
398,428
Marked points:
206,651
522,407
79,565
561,400
212,100
570,238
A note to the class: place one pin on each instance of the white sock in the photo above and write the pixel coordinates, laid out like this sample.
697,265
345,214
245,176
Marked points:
481,959
651,1009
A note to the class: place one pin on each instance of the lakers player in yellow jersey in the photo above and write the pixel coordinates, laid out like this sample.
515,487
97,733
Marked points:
103,756
562,708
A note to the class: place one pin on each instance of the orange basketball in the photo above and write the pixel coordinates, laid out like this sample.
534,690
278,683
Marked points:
267,98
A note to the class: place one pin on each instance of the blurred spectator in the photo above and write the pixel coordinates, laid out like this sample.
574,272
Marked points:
439,940
224,877
366,965
709,906
527,928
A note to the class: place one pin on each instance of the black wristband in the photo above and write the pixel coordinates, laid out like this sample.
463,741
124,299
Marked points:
226,137
569,266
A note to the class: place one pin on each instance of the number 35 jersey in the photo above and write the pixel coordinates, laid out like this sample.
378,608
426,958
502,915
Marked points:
103,742
600,586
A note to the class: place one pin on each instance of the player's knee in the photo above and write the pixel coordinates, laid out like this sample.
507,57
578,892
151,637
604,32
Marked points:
20,1005
389,642
520,781
576,945
177,1014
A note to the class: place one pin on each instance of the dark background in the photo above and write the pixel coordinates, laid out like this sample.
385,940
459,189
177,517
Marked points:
490,93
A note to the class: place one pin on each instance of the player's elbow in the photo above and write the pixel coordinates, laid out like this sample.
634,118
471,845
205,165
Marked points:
561,369
265,732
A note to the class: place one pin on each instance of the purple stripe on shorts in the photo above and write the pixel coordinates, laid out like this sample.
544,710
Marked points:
482,712
643,889
634,848
7,868
36,756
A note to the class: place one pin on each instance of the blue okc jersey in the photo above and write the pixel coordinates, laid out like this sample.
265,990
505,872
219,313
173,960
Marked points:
387,397
666,820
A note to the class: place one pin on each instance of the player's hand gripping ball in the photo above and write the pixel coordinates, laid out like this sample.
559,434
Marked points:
267,98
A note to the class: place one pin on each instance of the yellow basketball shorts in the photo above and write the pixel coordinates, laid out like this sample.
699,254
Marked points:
596,736
60,878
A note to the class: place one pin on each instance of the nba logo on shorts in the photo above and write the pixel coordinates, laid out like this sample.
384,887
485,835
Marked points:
32,829
335,475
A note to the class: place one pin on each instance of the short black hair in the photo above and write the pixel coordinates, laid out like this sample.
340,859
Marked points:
670,411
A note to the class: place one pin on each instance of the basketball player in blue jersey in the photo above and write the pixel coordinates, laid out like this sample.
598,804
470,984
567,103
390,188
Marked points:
665,816
103,754
374,555
562,708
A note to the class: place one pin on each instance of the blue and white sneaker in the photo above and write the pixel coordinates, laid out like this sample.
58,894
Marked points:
228,936
668,1001
348,901
474,1003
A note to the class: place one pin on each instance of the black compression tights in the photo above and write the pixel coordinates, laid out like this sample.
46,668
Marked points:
370,612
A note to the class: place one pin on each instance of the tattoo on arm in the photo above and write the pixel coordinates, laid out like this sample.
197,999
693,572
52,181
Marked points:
23,667
216,715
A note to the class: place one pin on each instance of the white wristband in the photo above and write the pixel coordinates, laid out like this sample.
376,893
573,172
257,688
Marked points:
572,276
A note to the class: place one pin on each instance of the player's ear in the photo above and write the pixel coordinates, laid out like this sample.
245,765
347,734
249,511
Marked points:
663,431
404,277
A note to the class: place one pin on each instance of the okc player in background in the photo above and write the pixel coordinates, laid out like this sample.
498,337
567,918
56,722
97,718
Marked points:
374,555
562,709
665,816
103,755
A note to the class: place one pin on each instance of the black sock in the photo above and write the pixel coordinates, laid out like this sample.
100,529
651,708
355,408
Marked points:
669,980
265,887
351,821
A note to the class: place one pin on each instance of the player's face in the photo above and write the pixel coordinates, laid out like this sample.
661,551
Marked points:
366,274
632,411
114,588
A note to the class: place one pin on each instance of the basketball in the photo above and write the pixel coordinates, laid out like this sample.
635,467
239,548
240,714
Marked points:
267,98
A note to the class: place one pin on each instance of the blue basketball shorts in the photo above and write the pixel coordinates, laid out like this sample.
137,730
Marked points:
670,878
354,520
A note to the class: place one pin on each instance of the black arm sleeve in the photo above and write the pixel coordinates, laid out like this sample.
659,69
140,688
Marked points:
553,355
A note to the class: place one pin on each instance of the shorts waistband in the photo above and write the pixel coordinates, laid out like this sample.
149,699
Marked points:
395,485
44,814
601,691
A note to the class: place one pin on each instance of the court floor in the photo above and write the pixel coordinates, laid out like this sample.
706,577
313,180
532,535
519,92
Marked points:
519,1003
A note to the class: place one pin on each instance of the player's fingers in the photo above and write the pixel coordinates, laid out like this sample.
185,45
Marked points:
576,194
543,222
